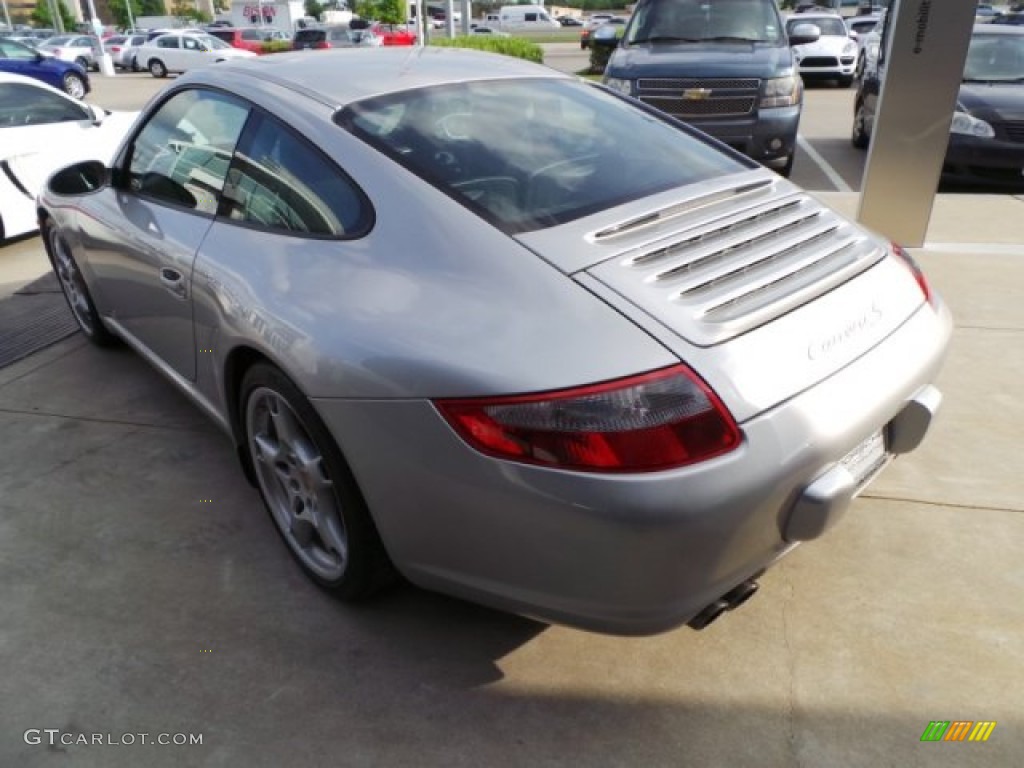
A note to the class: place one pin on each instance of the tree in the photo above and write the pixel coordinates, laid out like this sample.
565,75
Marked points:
314,8
119,9
152,8
386,11
186,9
42,17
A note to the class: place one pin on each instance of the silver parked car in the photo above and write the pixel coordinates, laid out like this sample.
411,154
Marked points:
515,336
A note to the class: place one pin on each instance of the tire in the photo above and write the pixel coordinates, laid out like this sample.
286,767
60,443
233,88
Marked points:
83,63
72,285
845,82
308,488
156,68
135,64
859,136
73,85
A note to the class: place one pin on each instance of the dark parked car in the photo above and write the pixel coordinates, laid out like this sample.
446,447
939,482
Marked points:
986,137
65,75
1010,19
724,67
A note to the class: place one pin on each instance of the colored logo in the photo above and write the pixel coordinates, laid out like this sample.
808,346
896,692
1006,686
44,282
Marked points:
958,730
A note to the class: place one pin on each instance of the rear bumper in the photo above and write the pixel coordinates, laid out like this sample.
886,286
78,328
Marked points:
631,554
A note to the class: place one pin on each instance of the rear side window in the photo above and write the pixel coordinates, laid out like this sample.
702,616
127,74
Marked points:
226,36
280,183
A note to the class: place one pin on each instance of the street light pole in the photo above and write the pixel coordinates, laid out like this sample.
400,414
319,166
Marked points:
7,16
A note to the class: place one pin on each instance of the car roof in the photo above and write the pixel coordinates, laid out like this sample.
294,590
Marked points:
370,71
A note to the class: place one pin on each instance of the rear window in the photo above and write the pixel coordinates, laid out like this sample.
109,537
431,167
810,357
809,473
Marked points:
530,154
310,36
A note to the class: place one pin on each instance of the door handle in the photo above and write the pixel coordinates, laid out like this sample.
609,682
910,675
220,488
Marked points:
173,281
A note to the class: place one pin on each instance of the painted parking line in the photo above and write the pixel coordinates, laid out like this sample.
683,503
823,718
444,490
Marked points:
831,173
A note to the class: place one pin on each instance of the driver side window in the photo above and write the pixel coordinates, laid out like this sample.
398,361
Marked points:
181,156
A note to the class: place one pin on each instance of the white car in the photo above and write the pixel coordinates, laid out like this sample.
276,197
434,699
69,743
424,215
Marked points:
182,51
41,131
833,56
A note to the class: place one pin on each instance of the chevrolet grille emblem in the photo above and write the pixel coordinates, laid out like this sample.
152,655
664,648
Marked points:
696,94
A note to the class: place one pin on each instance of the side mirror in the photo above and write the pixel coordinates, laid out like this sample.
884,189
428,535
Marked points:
805,33
79,179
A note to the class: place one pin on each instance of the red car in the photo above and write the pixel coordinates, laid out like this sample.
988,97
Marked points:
394,34
247,38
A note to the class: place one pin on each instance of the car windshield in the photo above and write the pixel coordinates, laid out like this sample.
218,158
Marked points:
63,40
830,27
995,58
704,20
529,154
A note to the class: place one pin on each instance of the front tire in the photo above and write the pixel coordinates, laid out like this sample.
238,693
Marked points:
157,68
76,292
308,488
859,136
73,85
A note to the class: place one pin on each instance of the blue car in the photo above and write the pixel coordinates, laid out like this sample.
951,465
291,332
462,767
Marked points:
22,60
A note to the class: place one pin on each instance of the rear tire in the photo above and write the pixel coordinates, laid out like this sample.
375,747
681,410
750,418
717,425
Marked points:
308,489
859,136
157,68
83,63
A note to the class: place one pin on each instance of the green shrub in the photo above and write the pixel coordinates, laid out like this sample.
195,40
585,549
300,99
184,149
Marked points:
508,46
275,46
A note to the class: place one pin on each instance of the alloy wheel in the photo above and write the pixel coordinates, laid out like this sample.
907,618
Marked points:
293,478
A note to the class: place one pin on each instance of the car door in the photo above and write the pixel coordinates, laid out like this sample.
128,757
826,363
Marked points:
142,238
39,132
170,52
193,53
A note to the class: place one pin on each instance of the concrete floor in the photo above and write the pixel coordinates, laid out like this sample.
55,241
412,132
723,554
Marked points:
144,590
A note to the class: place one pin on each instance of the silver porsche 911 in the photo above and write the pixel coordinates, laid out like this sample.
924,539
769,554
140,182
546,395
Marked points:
508,334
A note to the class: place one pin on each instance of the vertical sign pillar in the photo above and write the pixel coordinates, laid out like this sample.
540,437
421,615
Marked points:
924,52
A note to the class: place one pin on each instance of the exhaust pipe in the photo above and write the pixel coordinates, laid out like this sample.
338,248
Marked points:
731,600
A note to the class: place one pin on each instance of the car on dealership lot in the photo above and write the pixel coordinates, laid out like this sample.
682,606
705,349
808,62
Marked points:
833,56
481,30
84,50
248,38
336,36
41,130
123,50
394,34
1010,19
986,139
184,51
19,59
516,336
618,23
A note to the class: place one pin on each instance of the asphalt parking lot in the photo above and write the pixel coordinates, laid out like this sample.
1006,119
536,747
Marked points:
143,589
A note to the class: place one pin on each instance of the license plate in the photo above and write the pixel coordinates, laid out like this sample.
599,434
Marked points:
867,457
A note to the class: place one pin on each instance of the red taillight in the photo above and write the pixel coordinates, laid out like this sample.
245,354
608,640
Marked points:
322,44
115,49
908,261
659,420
